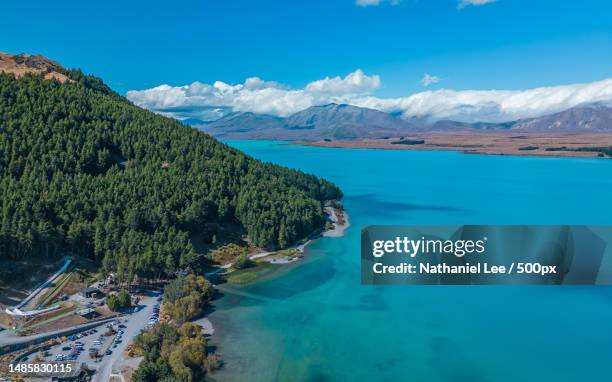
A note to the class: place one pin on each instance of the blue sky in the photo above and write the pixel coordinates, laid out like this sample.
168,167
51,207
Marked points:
508,44
514,45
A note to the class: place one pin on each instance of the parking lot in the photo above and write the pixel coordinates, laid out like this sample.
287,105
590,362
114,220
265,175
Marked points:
134,323
87,347
100,348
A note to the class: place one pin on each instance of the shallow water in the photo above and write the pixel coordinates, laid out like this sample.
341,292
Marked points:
313,321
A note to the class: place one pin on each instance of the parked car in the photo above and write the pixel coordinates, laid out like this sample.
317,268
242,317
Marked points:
66,348
59,357
122,326
108,352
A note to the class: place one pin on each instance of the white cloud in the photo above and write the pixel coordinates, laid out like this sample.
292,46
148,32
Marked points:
356,82
369,3
428,79
465,3
255,95
268,97
493,105
255,83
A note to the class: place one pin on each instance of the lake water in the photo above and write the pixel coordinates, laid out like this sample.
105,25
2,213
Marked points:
313,321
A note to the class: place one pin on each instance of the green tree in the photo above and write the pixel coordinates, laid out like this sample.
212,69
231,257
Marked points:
83,170
113,303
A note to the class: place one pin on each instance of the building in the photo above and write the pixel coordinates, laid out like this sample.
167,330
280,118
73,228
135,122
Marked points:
91,293
88,313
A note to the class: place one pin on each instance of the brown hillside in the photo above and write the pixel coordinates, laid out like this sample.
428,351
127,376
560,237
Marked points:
20,64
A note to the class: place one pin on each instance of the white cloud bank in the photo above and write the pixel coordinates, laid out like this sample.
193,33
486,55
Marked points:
256,95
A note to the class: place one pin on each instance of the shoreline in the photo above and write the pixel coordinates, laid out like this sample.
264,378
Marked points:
339,227
340,224
207,326
594,145
338,230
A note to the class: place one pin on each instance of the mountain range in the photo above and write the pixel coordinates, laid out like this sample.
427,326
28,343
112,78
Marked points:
346,122
331,121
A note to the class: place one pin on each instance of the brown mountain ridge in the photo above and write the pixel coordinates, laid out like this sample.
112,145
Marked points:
21,64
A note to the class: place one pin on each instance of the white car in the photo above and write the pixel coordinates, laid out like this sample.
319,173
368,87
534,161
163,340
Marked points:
60,357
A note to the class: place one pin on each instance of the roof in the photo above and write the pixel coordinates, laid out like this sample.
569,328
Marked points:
90,289
84,312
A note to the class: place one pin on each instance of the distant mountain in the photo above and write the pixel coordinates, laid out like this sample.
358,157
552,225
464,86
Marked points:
246,121
450,126
192,121
334,115
343,122
594,118
331,121
583,119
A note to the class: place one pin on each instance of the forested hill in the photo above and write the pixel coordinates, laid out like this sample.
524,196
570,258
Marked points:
83,170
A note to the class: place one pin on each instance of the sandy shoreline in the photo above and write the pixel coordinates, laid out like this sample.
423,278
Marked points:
207,326
337,231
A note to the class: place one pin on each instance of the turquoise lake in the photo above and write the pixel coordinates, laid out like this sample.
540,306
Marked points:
313,321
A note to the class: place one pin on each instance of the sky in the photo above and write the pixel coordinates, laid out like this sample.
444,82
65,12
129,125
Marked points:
393,55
